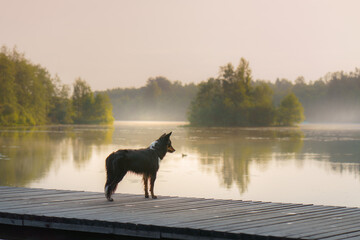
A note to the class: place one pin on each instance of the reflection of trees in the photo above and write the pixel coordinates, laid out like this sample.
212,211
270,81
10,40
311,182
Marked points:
86,138
340,148
27,154
25,159
231,151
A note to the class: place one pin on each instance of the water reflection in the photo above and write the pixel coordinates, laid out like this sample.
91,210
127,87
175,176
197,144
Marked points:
27,154
339,147
311,164
231,150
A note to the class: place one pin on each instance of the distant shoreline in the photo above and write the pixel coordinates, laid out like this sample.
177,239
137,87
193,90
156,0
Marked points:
304,125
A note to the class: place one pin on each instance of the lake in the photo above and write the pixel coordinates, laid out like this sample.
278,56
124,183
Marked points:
318,164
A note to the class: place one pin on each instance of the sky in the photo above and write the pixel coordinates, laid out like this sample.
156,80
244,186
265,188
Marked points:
122,43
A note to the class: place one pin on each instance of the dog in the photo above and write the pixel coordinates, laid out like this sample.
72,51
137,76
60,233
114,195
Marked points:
144,161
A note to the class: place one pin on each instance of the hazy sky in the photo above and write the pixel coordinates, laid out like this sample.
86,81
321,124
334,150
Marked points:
123,43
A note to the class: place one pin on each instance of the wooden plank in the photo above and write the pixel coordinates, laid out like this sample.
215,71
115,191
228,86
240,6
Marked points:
305,216
99,202
189,211
189,215
238,216
278,227
298,224
43,205
11,194
30,195
330,228
174,217
338,232
146,207
294,228
50,196
212,207
138,206
349,235
246,226
353,238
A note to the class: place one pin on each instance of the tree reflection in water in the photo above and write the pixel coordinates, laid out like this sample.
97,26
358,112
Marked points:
252,163
27,154
231,151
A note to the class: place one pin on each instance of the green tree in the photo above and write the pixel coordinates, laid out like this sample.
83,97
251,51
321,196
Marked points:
262,112
237,90
61,109
231,100
26,90
8,101
89,109
290,111
207,109
82,101
30,96
152,92
103,109
162,82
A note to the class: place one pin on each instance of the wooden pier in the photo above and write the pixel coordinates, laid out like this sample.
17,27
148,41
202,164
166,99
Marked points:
174,217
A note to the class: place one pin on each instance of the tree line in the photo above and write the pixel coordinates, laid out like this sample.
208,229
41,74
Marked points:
235,99
334,98
232,99
159,99
30,96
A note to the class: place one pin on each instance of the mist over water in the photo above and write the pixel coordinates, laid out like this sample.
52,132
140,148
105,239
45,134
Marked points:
317,164
335,115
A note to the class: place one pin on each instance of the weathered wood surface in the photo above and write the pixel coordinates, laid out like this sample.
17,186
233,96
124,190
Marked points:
175,217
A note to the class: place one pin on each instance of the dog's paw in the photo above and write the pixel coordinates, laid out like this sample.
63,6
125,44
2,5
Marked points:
146,196
110,199
154,197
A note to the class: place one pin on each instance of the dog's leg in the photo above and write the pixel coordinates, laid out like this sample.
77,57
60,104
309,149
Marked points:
152,182
106,188
110,190
146,179
110,175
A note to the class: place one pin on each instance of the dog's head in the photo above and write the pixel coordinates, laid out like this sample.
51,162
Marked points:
167,140
163,142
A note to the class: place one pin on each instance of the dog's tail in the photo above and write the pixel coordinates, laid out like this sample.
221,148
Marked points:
114,172
110,175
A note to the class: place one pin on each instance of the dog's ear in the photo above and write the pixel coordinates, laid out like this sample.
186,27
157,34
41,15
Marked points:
168,135
162,136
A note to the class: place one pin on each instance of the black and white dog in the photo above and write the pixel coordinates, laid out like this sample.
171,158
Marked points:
141,161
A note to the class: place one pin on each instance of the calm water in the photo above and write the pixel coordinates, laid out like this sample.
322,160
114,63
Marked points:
317,164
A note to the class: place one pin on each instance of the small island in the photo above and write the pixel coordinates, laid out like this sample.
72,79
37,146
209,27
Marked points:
233,100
